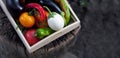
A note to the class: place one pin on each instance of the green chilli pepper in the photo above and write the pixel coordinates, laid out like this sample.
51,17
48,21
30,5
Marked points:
43,32
65,9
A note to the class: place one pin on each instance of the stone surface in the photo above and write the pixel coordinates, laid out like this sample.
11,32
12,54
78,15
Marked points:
100,33
99,36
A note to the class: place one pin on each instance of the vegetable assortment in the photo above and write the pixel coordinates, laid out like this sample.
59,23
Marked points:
39,18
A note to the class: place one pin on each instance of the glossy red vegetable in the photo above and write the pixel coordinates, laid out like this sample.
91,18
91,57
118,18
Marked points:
40,14
30,36
40,9
41,24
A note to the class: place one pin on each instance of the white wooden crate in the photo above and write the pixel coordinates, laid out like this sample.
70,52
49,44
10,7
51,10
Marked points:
74,24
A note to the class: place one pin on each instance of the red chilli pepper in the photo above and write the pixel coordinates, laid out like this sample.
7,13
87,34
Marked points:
40,9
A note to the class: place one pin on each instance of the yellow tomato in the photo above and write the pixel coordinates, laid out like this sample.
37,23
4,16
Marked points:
26,20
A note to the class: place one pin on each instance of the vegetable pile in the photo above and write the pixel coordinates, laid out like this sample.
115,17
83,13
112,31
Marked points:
38,19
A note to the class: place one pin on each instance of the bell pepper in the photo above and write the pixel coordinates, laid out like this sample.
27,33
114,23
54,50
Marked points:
39,8
51,4
40,14
14,6
40,24
66,10
43,32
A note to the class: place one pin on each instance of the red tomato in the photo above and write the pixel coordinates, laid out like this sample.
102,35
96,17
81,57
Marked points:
29,35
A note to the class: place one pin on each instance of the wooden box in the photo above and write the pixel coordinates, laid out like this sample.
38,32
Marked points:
74,24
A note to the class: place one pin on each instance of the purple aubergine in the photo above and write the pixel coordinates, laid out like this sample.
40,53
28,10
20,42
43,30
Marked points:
14,7
50,4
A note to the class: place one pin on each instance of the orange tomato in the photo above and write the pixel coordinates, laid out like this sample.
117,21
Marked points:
26,20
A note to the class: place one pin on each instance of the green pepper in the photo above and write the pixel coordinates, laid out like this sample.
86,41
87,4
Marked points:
43,32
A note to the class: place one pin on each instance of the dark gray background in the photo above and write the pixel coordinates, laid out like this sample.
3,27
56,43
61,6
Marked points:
99,36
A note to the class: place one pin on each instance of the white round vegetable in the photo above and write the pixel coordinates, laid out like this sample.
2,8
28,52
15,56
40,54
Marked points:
56,22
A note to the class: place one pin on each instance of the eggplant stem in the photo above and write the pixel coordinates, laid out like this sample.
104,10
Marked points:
48,9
